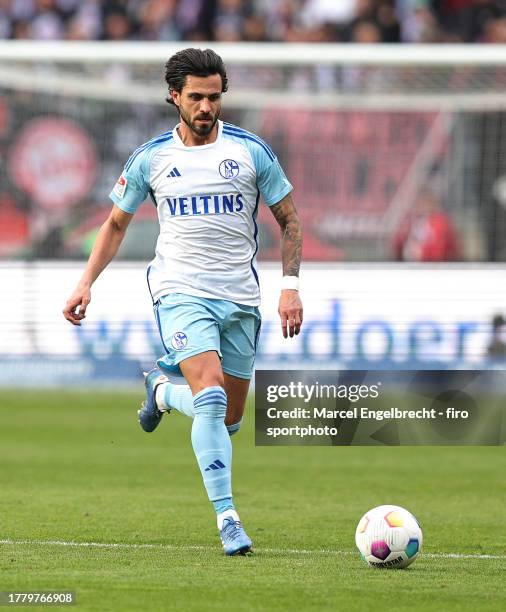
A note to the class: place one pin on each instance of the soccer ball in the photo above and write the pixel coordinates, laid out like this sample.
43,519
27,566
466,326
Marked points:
388,536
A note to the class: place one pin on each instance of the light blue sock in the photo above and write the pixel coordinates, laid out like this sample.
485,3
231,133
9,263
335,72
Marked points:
234,428
211,442
180,398
223,504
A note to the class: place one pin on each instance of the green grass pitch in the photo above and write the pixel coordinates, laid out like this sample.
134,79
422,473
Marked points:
75,469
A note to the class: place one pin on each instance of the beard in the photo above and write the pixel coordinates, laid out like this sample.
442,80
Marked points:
199,129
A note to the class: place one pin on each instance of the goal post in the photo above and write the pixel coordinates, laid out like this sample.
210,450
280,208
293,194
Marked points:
267,54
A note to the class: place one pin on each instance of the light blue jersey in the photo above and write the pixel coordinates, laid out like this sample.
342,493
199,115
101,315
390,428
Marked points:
207,200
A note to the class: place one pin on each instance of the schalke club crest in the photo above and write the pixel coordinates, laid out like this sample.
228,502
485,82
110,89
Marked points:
229,168
179,341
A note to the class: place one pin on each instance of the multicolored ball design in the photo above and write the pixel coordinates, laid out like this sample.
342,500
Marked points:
389,537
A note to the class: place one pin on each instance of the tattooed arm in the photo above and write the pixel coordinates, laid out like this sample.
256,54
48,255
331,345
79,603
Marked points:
290,305
291,235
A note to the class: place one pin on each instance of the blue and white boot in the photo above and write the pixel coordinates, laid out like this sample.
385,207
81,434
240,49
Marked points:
149,414
233,537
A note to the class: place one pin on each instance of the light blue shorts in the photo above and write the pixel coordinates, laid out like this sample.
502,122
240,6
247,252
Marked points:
192,325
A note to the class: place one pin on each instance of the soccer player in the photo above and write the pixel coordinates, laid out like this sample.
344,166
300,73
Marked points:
205,177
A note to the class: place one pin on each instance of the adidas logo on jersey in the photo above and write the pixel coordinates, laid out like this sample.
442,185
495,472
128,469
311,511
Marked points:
174,173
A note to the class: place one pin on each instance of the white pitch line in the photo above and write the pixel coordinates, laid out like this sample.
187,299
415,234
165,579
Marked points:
285,551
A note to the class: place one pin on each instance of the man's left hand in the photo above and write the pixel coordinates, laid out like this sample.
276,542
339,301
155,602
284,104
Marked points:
290,312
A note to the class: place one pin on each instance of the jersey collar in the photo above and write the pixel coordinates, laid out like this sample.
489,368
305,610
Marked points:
180,143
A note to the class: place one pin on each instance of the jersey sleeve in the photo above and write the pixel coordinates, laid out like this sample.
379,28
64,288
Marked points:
271,179
132,187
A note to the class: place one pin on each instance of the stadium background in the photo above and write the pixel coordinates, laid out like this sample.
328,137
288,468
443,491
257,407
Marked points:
388,117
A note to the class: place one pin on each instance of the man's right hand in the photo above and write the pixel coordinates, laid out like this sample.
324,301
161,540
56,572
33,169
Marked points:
75,308
106,245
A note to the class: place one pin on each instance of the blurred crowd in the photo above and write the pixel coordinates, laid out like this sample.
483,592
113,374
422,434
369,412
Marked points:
363,21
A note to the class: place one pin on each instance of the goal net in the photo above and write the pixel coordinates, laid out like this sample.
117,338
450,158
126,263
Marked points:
363,132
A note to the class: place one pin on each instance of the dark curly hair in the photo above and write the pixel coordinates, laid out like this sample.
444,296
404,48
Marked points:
196,62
